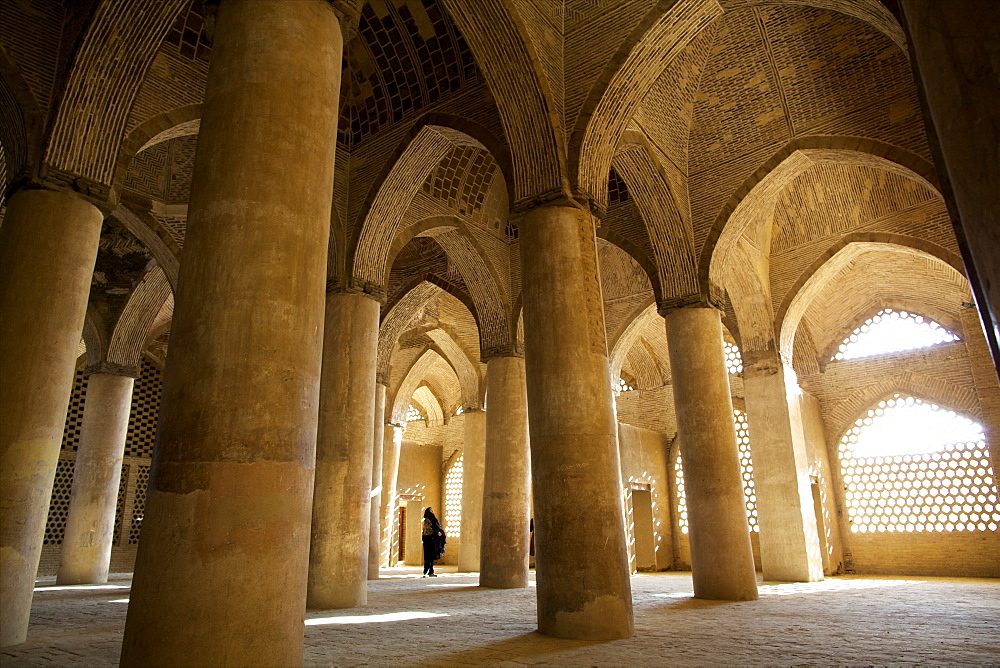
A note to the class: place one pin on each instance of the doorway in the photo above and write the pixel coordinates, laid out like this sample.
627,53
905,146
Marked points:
645,538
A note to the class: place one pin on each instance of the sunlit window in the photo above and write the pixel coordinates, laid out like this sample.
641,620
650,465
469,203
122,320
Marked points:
413,414
912,466
890,331
453,498
746,471
734,361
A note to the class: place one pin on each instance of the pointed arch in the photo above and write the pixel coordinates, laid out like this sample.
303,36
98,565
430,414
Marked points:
663,33
671,239
528,107
750,204
183,121
465,368
164,249
117,50
622,343
842,255
21,124
136,321
413,378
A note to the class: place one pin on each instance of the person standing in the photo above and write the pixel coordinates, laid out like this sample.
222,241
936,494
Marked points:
433,539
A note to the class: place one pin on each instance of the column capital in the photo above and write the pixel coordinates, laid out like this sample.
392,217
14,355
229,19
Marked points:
382,378
714,299
54,179
357,286
113,369
578,199
503,350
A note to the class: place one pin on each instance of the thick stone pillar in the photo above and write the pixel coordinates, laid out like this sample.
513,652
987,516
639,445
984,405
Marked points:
48,245
789,542
338,553
375,524
90,524
473,465
506,477
954,49
392,442
581,563
721,558
220,576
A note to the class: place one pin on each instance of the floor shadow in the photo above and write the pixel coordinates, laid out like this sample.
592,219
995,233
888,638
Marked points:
527,645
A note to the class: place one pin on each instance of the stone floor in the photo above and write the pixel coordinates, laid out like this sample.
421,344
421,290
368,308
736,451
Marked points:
450,621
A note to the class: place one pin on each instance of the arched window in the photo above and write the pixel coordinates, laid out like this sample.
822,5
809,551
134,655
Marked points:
908,465
413,414
746,470
890,331
734,360
453,498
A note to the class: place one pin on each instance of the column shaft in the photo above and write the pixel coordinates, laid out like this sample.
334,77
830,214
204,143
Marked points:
220,575
582,565
506,478
375,524
48,245
721,558
473,466
90,524
338,554
392,441
789,542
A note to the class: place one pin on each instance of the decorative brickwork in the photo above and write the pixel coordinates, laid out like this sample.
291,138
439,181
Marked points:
62,486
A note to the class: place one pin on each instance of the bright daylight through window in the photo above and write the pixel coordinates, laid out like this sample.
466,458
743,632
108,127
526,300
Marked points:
890,331
908,465
746,470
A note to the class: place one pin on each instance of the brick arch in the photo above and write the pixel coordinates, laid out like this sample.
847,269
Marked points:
182,121
805,288
502,44
471,383
415,376
945,394
623,342
21,124
671,239
750,297
663,32
109,67
489,303
136,321
161,245
395,318
750,203
93,338
416,157
643,260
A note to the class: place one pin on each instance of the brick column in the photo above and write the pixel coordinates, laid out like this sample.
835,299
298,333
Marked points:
90,523
220,575
473,464
506,477
48,245
584,591
338,551
375,528
721,557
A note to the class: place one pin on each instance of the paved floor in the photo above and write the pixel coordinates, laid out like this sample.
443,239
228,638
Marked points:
450,621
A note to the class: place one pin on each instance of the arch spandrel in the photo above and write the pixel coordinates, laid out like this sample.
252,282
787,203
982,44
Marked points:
184,121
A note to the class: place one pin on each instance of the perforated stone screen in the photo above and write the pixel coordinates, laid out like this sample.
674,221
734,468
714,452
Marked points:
734,360
951,489
746,470
145,411
453,497
890,331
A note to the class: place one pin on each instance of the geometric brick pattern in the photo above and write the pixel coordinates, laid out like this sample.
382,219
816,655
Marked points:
406,56
186,33
74,415
120,504
145,411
